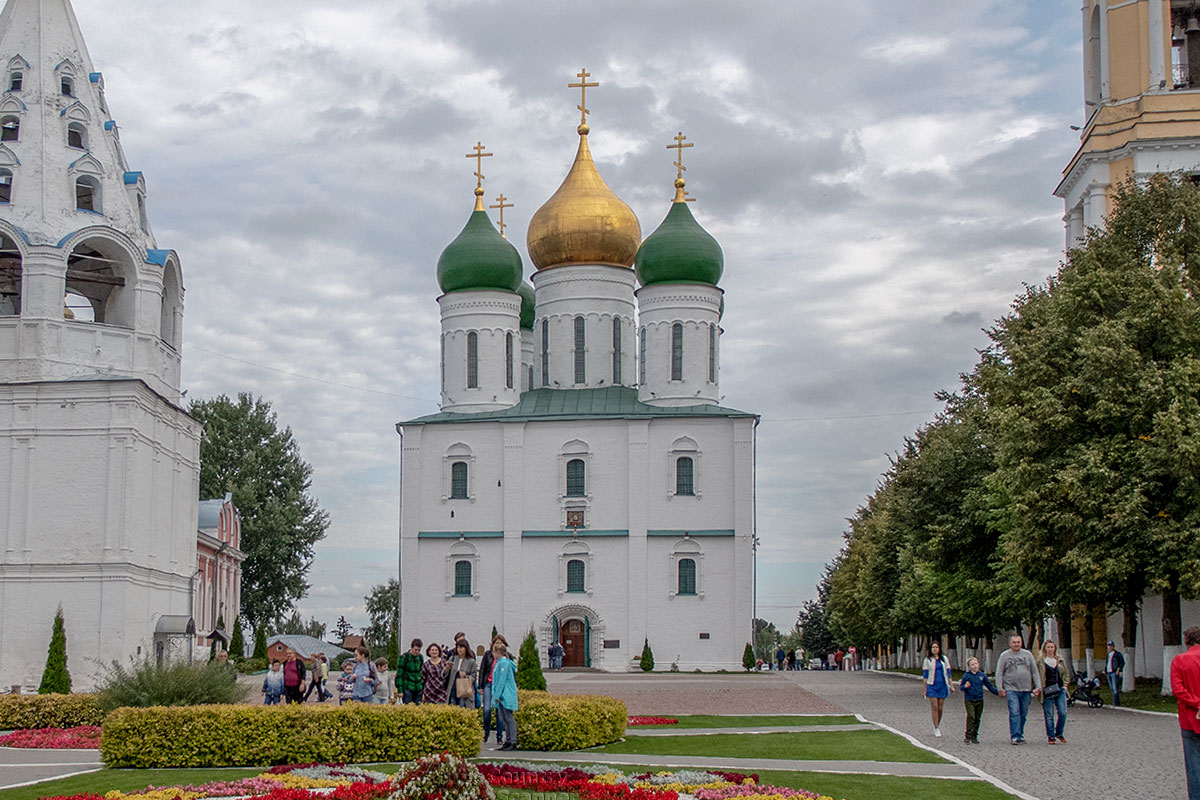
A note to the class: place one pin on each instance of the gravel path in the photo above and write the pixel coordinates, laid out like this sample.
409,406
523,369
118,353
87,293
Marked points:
1110,753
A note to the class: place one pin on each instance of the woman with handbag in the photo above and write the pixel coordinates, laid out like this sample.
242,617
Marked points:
1056,677
461,684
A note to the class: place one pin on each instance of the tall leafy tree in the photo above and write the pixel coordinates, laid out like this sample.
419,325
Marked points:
382,603
243,451
310,627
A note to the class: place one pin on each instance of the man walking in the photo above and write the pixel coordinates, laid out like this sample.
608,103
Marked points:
1113,669
1017,676
1185,683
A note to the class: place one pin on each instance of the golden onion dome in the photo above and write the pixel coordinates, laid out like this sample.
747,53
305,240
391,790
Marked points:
584,222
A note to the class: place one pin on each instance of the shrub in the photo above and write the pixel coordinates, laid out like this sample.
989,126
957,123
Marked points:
55,677
250,665
147,683
242,735
568,722
647,662
445,776
21,711
260,642
748,660
237,645
529,666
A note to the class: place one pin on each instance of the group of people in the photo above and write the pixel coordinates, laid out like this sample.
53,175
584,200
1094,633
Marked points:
1021,677
286,680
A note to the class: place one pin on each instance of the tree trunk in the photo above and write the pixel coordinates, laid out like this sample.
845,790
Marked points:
1172,635
1129,641
1089,637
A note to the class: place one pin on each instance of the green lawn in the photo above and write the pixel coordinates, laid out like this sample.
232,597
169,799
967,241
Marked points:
126,780
817,746
714,721
1147,696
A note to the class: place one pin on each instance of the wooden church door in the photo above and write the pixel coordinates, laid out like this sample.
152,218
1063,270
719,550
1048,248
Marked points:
571,636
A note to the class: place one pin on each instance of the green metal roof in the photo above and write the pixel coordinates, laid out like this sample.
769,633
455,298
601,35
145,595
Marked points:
680,251
609,402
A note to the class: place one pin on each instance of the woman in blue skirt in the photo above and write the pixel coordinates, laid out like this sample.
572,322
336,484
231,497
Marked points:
938,683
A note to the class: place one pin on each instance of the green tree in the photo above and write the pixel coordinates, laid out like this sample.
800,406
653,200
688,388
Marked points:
382,604
529,665
765,639
244,452
237,645
647,662
260,642
748,660
393,648
55,677
342,629
295,625
813,622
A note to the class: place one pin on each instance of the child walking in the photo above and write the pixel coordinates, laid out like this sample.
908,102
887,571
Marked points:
272,687
974,681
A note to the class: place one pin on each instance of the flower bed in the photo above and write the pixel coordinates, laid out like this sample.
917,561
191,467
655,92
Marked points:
83,737
293,782
634,721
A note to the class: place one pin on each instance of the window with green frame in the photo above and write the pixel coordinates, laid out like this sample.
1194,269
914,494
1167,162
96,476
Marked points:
458,480
687,576
462,578
575,482
575,576
685,471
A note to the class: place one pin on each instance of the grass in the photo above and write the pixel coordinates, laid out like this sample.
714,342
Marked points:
822,746
1146,696
125,780
714,721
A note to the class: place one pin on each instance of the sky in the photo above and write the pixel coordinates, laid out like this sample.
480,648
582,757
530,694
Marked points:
879,175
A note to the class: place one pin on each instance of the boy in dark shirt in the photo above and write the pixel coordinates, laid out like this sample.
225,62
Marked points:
974,681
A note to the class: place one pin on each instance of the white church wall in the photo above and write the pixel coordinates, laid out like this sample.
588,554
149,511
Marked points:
597,293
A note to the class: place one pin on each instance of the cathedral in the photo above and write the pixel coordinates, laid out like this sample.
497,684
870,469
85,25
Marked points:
582,480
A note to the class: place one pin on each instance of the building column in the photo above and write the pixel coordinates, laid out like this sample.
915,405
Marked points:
1095,206
514,617
1158,51
637,573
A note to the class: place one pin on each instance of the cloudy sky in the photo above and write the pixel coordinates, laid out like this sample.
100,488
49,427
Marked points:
878,173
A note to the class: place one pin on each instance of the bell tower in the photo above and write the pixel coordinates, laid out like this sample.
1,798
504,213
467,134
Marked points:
1141,67
98,459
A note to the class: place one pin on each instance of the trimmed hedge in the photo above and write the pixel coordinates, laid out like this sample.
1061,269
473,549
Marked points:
568,721
232,736
22,711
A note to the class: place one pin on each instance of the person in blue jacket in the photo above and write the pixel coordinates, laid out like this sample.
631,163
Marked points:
504,692
974,681
938,683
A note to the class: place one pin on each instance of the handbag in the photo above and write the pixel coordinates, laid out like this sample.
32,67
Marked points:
1051,691
464,687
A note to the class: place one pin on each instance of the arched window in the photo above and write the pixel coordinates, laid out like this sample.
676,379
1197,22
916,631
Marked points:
462,578
87,193
15,80
575,478
77,136
6,185
10,129
103,278
508,360
684,472
712,353
67,84
642,357
529,386
687,576
580,351
472,360
458,480
545,352
616,378
10,277
576,576
677,351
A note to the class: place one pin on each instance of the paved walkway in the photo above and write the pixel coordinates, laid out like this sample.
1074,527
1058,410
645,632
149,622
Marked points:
22,766
762,729
688,693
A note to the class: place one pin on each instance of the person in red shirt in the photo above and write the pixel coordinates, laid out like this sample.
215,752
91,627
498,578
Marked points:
1185,684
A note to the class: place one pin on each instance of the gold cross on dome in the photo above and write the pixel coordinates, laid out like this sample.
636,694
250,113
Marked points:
583,86
479,156
678,148
500,204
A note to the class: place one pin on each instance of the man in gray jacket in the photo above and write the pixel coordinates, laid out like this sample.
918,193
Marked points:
1017,677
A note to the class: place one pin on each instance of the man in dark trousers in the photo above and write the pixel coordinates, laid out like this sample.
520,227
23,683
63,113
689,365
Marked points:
293,678
1113,668
1185,683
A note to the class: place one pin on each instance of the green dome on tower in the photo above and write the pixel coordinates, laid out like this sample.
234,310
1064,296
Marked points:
526,292
479,258
679,251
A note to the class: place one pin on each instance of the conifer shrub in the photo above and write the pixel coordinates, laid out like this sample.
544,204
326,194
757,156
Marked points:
529,666
237,645
647,662
260,643
244,735
147,683
55,677
27,711
748,660
393,650
568,722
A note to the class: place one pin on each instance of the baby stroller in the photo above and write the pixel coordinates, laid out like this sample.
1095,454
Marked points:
1087,690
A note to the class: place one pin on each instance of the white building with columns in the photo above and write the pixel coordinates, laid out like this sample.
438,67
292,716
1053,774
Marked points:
581,479
98,459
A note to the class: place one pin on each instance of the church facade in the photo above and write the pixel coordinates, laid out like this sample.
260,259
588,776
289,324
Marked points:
98,459
581,479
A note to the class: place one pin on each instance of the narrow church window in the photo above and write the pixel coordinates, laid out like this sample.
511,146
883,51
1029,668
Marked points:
15,80
529,386
6,184
508,360
642,357
687,576
458,480
10,129
684,475
87,194
712,353
580,351
616,379
575,576
68,87
76,136
462,578
677,352
545,352
142,214
472,360
575,482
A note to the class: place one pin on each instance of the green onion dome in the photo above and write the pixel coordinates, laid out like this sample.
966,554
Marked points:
526,292
479,258
679,251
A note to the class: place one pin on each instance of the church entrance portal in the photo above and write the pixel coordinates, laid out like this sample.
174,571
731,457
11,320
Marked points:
572,637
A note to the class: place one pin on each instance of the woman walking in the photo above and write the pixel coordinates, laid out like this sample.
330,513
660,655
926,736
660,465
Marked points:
504,692
461,683
1056,677
485,689
433,674
938,685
